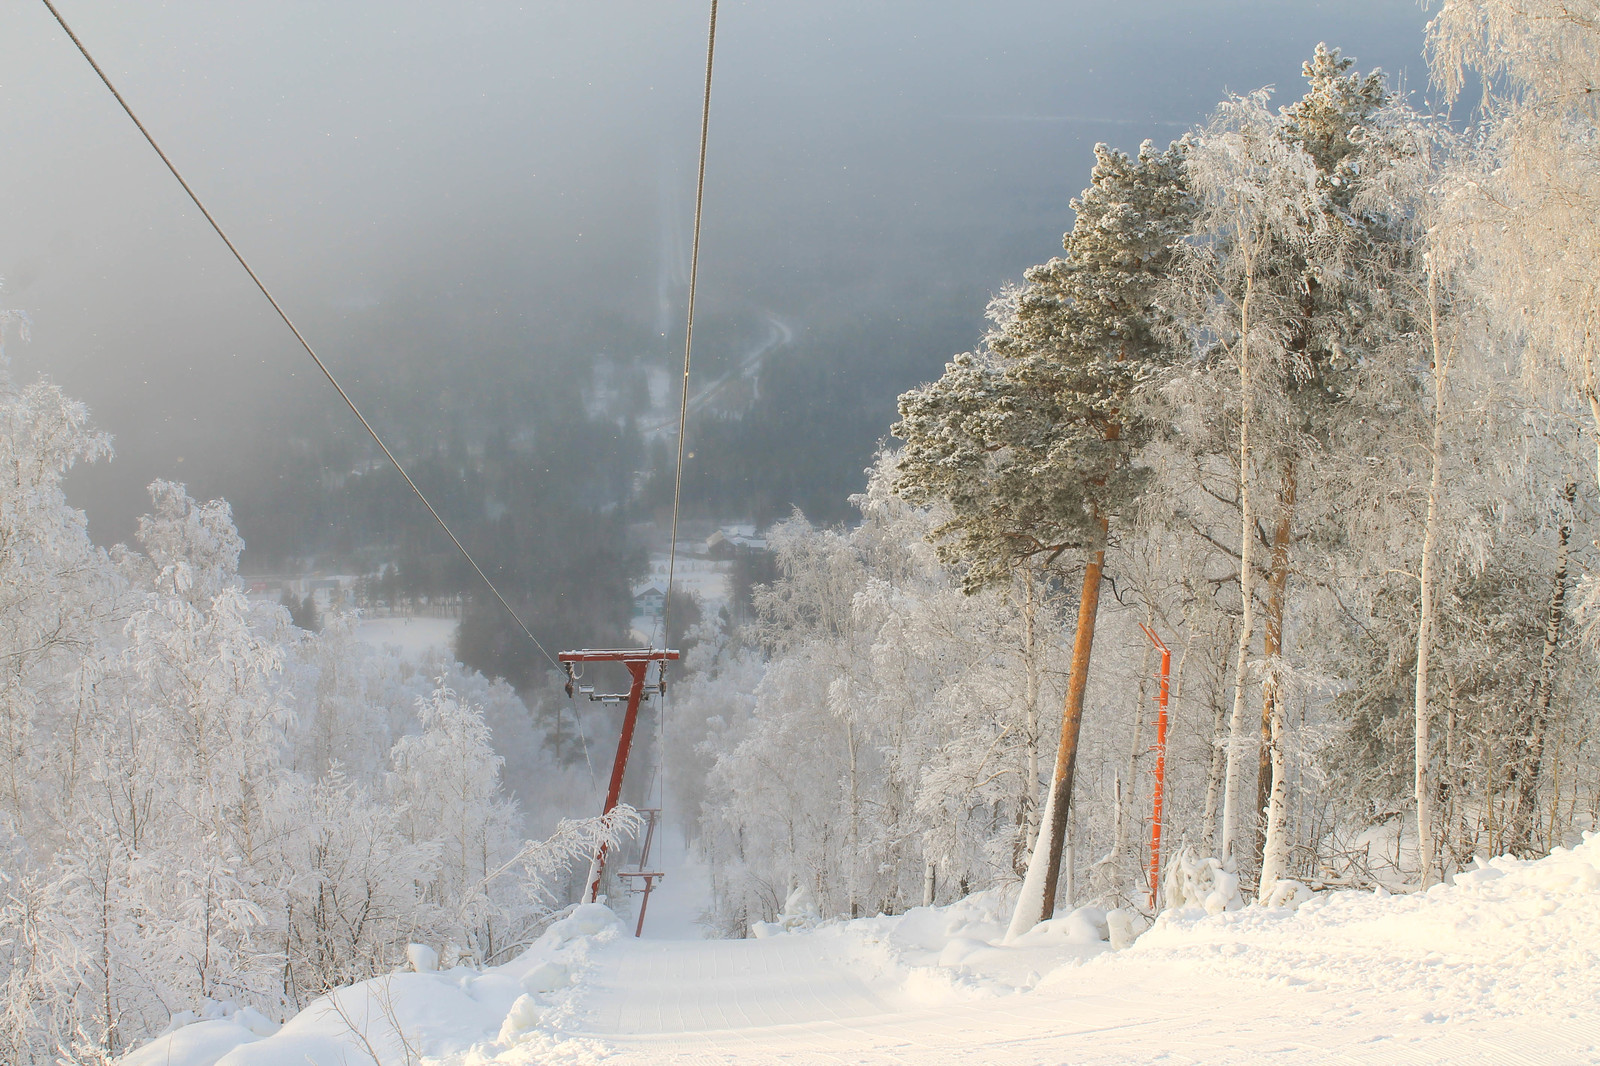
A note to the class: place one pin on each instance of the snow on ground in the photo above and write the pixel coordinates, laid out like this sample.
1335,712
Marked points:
1501,967
414,638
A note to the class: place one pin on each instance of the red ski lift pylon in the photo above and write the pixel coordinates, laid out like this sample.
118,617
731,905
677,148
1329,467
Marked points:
638,661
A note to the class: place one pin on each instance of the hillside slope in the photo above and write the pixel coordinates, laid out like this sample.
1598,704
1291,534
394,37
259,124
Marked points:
1503,966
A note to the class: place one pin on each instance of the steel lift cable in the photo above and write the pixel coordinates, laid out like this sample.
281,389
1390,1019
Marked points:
577,725
688,337
373,433
683,409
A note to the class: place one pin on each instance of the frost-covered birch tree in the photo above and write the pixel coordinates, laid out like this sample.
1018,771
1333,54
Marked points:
1533,195
1289,278
197,800
884,739
1259,197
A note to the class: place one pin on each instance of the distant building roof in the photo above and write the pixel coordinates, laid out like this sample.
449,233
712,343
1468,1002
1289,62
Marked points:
732,538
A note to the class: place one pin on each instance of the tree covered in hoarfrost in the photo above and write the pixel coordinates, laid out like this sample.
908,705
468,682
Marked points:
1028,443
884,747
200,665
57,590
1295,275
446,783
1521,210
1530,197
200,802
1506,665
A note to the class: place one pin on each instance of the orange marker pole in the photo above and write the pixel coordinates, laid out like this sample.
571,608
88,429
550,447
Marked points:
1161,762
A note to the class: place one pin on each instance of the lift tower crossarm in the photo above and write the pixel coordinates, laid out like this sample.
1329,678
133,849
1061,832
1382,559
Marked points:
638,661
617,655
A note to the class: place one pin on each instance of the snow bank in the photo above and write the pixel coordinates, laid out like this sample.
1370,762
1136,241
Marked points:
205,1037
1507,938
474,1015
963,951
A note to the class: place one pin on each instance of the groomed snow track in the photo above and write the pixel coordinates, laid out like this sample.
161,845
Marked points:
1502,968
782,1001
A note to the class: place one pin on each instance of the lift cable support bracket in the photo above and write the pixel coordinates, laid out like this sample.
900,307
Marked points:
638,661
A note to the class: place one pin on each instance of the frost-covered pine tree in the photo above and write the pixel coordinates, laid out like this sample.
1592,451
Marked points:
1028,442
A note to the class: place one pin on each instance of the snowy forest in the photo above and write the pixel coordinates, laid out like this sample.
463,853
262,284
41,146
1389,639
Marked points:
1310,393
205,804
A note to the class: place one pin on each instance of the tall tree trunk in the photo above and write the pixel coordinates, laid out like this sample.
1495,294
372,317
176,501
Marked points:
852,884
1208,824
110,1039
1273,807
1490,796
1426,579
1030,611
1454,781
1037,901
1125,844
1236,726
1069,867
1275,852
1555,790
1528,767
1272,638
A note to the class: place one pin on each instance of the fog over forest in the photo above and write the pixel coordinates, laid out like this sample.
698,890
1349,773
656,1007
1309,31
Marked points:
465,204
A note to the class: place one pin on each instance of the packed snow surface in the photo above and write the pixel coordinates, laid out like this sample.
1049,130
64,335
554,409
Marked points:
1502,966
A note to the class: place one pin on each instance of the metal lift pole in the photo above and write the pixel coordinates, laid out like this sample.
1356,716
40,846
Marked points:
1161,762
638,661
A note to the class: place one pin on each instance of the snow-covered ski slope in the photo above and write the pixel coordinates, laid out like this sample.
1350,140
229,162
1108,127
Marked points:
1503,966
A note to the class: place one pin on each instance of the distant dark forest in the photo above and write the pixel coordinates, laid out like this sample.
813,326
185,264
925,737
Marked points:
495,418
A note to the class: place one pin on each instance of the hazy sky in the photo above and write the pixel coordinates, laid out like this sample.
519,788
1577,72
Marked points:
538,157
